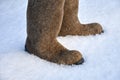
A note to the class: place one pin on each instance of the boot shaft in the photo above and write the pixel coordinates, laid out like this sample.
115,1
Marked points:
71,7
44,16
44,19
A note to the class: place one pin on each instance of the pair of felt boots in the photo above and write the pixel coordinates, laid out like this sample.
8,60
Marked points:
47,19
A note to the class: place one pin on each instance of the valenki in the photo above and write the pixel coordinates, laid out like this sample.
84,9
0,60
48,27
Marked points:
46,19
71,24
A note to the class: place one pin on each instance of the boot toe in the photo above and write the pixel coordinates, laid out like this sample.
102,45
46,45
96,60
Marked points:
81,61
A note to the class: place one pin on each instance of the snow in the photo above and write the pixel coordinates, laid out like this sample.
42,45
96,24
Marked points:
101,52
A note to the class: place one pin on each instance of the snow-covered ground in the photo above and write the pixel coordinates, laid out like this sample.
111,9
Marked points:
101,52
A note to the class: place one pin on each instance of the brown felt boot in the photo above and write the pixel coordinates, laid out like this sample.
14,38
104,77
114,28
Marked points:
71,24
44,19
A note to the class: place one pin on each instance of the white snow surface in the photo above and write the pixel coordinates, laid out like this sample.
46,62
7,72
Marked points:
101,52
